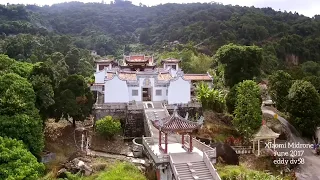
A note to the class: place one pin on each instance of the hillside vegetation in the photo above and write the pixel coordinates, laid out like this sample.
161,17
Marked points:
106,28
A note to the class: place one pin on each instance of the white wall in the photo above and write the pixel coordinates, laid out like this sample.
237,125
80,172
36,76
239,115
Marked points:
99,76
179,91
163,96
135,98
116,91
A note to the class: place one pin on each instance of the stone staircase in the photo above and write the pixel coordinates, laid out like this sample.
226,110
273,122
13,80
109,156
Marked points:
193,171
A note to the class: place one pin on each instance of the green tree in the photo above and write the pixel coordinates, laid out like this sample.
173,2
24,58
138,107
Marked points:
200,64
314,80
241,62
43,81
278,86
108,126
247,114
74,99
311,68
304,107
17,163
72,59
16,95
231,99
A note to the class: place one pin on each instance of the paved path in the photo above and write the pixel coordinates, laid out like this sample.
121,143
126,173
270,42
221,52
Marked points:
311,169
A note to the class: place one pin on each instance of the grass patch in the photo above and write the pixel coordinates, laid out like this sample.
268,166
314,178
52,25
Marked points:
243,173
116,171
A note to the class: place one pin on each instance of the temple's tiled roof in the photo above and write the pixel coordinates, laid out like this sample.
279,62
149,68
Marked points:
175,123
171,60
123,76
197,77
138,58
132,76
104,61
164,77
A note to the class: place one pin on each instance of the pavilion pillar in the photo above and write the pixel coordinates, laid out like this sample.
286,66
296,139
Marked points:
160,139
274,144
190,148
253,142
182,140
166,143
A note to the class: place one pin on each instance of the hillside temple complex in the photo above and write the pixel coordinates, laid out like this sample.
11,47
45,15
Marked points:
138,78
155,105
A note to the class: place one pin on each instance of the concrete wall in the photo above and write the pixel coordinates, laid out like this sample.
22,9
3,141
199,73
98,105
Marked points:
99,76
179,91
116,91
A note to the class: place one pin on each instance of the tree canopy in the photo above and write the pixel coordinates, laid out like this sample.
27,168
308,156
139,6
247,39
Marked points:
241,62
304,106
247,113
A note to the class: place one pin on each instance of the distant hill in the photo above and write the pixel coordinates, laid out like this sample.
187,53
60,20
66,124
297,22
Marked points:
107,27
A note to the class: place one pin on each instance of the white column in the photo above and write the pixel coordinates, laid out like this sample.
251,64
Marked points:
274,143
97,66
253,142
259,147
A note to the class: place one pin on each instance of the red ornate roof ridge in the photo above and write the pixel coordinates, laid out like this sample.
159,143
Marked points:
137,58
176,123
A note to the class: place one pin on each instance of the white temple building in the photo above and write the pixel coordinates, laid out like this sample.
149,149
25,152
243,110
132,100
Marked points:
138,78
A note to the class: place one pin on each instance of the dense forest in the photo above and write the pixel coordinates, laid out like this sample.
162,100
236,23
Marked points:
107,28
46,65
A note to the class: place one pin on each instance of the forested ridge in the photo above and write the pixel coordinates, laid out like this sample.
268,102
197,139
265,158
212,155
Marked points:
46,64
106,28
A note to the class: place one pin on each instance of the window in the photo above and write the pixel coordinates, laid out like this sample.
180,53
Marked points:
135,92
167,92
158,92
174,67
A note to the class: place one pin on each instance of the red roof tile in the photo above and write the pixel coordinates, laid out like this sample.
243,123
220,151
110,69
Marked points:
137,58
171,60
197,77
176,123
123,76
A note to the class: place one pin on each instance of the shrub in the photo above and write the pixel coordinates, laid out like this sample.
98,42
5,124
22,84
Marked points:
242,173
17,163
212,99
124,170
108,126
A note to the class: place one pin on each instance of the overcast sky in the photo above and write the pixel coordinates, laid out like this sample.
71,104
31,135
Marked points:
306,7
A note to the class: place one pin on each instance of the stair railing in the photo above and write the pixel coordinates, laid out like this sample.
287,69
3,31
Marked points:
210,166
173,168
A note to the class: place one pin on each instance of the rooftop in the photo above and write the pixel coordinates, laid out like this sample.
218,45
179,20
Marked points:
175,123
265,133
197,77
171,60
104,61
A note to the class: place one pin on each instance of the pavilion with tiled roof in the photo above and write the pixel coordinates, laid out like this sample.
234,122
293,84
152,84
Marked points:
176,124
264,133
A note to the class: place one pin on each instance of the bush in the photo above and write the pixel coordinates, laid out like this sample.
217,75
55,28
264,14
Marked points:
108,126
242,173
123,171
17,163
212,99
